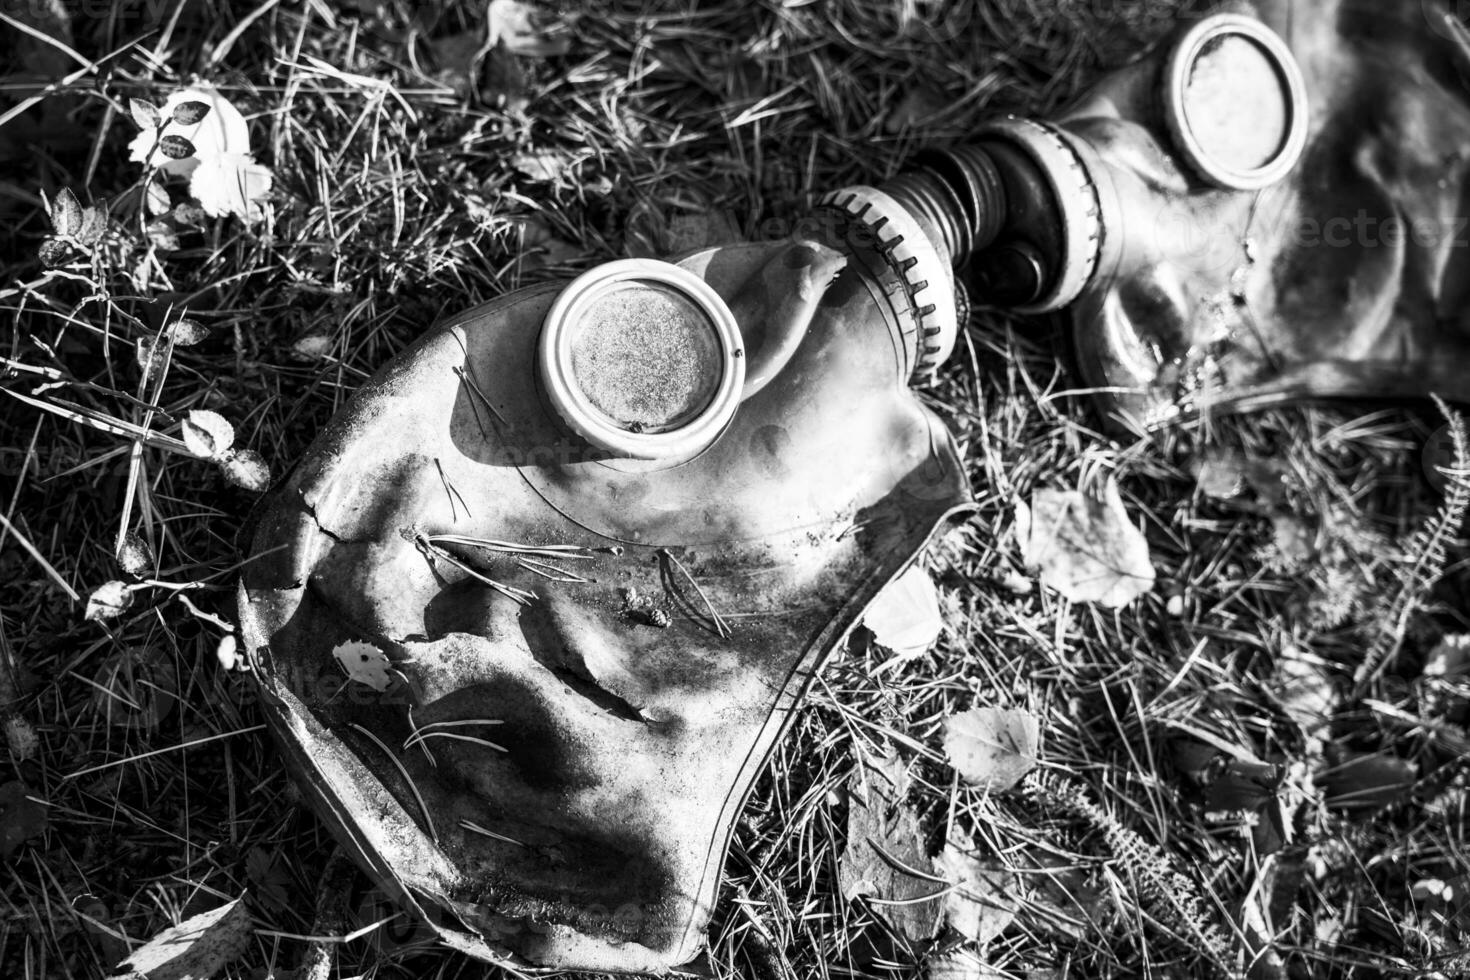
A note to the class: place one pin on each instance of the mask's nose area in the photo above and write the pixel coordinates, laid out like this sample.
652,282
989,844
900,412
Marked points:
642,359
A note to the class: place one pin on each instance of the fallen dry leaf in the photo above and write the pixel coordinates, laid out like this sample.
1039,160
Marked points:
993,748
540,246
365,664
1303,684
313,346
1220,473
21,738
526,29
1085,546
542,165
195,949
66,213
207,434
186,332
917,106
983,902
1060,899
109,601
458,60
246,469
1293,542
880,823
958,965
904,616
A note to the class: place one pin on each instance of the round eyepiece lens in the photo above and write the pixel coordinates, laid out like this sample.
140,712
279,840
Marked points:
645,356
1236,103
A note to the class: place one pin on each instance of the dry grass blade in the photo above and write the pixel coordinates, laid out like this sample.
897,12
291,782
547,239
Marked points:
715,622
424,736
565,551
476,828
407,779
521,596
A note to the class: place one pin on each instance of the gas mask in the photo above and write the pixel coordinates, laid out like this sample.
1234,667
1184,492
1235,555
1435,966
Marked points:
580,551
1268,207
533,610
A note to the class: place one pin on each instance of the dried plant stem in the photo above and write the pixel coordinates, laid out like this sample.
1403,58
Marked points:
1428,551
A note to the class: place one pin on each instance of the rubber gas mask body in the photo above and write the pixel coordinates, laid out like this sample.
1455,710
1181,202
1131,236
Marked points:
1268,206
580,550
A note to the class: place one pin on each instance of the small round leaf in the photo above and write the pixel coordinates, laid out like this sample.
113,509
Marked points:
365,664
186,332
189,113
175,147
94,226
207,434
66,213
111,600
55,252
246,469
134,556
144,113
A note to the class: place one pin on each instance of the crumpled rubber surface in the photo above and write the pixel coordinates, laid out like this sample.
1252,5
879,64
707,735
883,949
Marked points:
593,834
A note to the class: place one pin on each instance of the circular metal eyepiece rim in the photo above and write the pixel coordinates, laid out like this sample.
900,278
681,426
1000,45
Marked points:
916,259
554,362
1076,195
1181,63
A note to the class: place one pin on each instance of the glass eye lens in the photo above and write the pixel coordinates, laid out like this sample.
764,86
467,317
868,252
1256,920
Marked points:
646,357
1235,103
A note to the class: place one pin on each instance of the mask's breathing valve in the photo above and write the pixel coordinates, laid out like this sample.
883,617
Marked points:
1016,209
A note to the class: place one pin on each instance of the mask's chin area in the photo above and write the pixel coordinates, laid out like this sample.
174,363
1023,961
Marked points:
586,666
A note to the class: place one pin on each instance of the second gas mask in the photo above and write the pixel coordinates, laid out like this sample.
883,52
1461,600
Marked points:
1268,206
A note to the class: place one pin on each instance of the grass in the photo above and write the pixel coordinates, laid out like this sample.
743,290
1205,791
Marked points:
403,194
